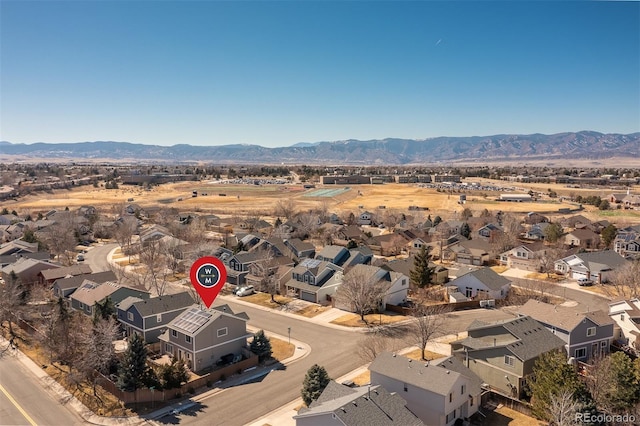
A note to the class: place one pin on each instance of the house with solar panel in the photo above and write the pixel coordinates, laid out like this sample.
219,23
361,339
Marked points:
201,337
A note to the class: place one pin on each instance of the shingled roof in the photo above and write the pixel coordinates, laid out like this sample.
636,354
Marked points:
562,317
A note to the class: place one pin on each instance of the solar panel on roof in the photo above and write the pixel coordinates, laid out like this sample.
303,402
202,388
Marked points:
310,263
192,320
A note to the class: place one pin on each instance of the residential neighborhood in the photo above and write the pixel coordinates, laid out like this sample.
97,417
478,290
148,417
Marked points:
443,315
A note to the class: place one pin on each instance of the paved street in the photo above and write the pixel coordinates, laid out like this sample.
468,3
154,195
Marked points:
96,257
336,350
20,387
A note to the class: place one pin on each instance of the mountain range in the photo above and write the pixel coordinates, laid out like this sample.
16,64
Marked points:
504,148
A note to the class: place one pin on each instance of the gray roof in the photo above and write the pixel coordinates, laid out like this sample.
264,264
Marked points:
599,260
23,264
331,252
489,277
365,406
76,281
73,270
435,378
195,319
524,337
161,304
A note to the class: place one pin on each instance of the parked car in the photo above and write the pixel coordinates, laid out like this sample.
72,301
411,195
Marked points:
80,258
245,291
584,282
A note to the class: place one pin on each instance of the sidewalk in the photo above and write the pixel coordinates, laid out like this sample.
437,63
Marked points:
283,416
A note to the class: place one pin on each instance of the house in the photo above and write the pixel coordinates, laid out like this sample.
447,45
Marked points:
358,256
596,266
468,252
524,257
631,200
396,285
300,249
583,237
482,283
503,353
340,405
537,231
334,254
49,276
63,287
627,241
238,266
254,224
201,337
17,247
87,211
575,222
89,293
533,218
334,219
626,314
616,198
438,392
27,270
12,258
490,232
351,233
365,218
314,280
587,335
404,266
149,317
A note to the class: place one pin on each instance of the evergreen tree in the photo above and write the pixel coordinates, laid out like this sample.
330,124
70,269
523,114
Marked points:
421,274
465,230
174,374
608,234
314,383
552,375
553,232
261,346
625,392
104,310
134,372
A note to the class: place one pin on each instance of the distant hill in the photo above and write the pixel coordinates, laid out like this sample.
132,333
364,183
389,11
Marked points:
569,146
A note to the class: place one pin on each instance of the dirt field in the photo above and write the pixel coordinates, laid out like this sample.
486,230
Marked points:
260,200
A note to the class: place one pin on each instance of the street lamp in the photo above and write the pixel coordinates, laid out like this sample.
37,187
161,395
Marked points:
289,330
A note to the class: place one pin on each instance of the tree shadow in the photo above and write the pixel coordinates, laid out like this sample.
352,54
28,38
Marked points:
191,409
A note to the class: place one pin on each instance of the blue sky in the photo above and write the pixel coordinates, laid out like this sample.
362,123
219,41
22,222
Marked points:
276,73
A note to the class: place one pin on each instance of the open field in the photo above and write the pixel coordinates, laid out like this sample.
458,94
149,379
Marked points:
260,200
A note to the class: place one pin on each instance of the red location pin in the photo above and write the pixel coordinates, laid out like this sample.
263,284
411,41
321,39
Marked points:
208,275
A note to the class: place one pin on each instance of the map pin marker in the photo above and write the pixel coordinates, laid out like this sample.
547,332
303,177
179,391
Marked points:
208,276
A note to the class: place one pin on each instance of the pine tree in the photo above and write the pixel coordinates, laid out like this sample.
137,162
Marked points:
261,346
134,372
465,230
421,274
314,383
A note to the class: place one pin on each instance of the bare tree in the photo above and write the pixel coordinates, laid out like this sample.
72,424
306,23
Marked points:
428,323
285,208
563,409
60,237
12,296
99,352
507,239
124,232
625,283
546,260
374,343
152,256
266,268
361,291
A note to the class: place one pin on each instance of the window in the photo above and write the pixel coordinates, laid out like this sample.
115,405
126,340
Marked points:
223,332
591,331
553,330
159,318
580,353
174,333
406,389
130,316
509,360
169,348
462,390
187,339
450,396
470,401
603,344
621,317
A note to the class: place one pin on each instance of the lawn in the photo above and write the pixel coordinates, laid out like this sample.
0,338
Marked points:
264,299
503,416
281,350
417,355
311,311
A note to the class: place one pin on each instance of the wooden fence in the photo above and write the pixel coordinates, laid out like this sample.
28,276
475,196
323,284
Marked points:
149,395
471,304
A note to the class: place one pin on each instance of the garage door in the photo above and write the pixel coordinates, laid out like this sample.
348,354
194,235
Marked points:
309,297
577,275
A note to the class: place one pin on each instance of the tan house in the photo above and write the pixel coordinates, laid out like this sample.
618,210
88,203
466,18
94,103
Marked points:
201,337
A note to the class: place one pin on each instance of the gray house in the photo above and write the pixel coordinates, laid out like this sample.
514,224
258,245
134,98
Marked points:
334,254
340,405
596,266
586,334
503,354
150,317
438,392
239,265
313,280
201,337
85,297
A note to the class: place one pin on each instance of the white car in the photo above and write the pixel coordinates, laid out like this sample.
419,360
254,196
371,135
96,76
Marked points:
245,291
584,282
